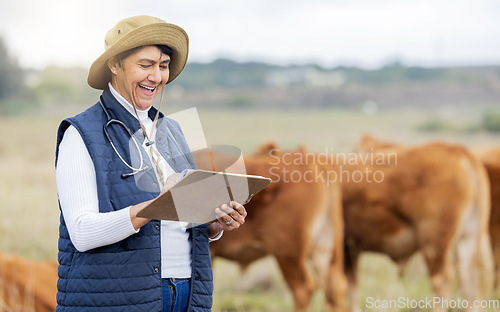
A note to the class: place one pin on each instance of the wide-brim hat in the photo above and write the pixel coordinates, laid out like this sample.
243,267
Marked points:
136,32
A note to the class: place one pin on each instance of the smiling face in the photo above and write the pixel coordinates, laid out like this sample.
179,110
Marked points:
146,71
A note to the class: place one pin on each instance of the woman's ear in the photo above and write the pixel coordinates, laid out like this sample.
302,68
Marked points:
113,65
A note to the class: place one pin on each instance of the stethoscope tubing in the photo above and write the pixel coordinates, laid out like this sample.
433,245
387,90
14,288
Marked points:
112,121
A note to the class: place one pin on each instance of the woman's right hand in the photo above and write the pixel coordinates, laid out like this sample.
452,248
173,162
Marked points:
171,180
134,210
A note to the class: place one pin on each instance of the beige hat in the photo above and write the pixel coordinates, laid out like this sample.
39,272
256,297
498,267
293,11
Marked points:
135,32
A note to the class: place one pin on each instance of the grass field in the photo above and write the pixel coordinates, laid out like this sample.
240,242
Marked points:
28,199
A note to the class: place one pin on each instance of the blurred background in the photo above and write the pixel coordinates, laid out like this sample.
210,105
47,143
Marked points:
320,73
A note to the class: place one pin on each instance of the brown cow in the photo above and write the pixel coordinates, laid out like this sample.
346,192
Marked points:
491,160
434,199
27,285
297,222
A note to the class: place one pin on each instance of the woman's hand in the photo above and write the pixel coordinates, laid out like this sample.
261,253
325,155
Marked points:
229,217
138,222
171,180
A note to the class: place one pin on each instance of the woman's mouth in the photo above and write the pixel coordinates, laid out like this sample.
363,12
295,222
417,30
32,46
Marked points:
147,90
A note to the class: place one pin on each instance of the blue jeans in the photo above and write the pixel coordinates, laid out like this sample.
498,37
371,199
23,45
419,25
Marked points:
175,294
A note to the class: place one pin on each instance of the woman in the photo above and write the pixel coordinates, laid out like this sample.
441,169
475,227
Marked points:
110,259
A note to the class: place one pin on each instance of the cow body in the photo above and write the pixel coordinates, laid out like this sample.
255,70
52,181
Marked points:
433,200
491,160
27,285
298,223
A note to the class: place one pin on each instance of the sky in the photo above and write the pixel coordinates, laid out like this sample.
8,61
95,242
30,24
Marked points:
364,33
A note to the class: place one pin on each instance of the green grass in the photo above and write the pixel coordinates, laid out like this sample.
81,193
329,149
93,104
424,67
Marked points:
28,196
29,210
262,288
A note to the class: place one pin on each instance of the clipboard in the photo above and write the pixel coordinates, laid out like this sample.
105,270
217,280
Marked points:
194,198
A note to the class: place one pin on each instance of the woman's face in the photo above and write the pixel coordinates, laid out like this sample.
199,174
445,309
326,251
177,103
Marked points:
146,71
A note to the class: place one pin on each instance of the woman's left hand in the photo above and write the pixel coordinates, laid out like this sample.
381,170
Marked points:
229,217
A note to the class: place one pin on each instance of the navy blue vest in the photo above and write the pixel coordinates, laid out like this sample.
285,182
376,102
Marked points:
126,276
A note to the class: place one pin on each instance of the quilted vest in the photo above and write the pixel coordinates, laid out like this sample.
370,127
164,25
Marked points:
126,276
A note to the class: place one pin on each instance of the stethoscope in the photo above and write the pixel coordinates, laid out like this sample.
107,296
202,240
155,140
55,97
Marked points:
112,121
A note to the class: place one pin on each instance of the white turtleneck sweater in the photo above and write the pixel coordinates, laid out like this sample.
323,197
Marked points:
87,227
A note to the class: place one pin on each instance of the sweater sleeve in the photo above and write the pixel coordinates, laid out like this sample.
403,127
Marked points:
77,191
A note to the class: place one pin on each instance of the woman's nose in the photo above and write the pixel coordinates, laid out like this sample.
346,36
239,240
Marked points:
155,75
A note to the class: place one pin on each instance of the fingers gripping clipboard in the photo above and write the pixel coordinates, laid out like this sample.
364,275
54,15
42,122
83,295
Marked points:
194,198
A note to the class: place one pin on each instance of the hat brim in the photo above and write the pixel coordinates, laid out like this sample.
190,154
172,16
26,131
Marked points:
158,33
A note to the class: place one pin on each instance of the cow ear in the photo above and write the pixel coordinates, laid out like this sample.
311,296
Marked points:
366,142
369,142
302,149
269,149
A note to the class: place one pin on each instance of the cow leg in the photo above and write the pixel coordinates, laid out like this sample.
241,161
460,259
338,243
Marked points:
402,265
330,273
440,269
473,250
327,252
496,257
494,230
351,272
300,280
475,266
335,291
465,266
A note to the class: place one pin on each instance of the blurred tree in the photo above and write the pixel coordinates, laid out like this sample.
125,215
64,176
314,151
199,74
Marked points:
54,86
11,75
491,121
